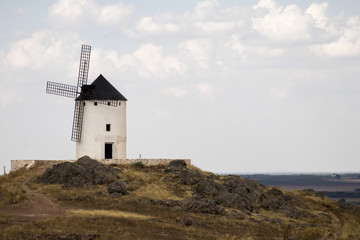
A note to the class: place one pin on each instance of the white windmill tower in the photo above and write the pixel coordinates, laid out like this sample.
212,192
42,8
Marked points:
99,125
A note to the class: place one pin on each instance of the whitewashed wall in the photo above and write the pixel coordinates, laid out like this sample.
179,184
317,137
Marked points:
94,134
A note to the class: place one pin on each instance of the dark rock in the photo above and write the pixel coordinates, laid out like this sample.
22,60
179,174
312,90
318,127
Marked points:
85,172
277,221
80,236
167,203
319,194
210,188
253,220
232,200
118,187
83,198
275,192
247,189
171,203
326,215
190,177
177,165
234,182
308,192
203,205
295,213
187,222
275,200
72,236
237,215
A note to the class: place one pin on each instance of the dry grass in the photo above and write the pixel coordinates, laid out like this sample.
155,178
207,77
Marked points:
155,191
10,187
153,185
107,213
134,216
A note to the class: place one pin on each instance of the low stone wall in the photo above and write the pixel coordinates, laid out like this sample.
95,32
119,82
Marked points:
145,161
17,164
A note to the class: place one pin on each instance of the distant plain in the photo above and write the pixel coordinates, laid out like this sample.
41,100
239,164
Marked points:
336,186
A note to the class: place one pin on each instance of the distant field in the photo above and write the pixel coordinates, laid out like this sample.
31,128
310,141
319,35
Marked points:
335,186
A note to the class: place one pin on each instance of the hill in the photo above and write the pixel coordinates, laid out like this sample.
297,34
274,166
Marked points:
87,200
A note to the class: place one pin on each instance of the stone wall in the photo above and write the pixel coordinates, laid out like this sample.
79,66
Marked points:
17,164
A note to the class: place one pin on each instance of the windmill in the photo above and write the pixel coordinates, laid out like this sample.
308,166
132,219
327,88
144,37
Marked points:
100,91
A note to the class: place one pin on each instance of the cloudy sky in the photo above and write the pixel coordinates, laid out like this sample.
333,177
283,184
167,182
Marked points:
237,86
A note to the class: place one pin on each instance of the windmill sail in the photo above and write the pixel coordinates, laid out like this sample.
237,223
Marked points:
84,65
83,92
61,89
77,121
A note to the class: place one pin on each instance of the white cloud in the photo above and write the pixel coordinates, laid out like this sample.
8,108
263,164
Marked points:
277,92
71,10
199,50
347,45
175,91
152,61
318,13
206,9
234,43
206,17
148,60
205,88
266,51
7,96
289,24
19,12
75,13
147,25
151,25
321,20
110,14
217,26
269,5
42,49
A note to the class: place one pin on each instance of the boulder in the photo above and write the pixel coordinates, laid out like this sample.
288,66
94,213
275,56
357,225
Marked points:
190,177
210,188
202,205
231,200
84,172
118,187
177,165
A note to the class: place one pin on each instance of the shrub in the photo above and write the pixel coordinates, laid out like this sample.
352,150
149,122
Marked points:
139,165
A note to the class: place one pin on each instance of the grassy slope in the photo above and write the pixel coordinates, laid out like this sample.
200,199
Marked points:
137,216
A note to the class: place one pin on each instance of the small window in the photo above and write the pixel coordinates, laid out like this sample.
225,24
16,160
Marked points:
95,103
108,103
108,127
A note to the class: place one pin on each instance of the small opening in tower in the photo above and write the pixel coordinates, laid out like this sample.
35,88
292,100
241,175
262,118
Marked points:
108,127
95,103
108,103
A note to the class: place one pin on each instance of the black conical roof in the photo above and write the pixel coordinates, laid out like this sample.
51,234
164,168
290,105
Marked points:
100,89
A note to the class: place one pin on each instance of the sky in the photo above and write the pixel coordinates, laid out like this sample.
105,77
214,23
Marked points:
236,86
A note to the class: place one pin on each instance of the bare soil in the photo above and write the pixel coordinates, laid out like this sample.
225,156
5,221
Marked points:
37,206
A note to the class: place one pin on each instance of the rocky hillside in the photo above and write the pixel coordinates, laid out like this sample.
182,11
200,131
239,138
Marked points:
168,202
